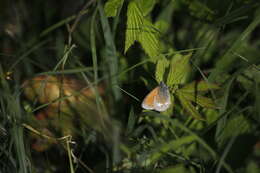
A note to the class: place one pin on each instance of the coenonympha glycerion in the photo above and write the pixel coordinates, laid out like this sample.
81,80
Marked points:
158,99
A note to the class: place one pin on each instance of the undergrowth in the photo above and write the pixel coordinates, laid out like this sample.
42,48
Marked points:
74,74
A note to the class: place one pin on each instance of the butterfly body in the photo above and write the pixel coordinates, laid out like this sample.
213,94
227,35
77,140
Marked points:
158,99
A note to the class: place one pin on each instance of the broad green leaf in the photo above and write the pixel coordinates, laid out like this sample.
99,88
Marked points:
134,23
141,29
199,87
200,100
161,66
235,126
112,6
146,6
149,39
187,105
179,69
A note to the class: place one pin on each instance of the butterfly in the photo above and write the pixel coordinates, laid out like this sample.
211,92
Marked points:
158,99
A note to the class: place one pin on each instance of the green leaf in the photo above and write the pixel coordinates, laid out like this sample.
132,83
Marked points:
199,87
131,122
200,100
161,66
252,167
112,6
134,23
200,141
224,106
235,126
224,63
163,149
162,26
211,115
146,6
141,29
176,169
200,10
249,76
110,50
149,39
179,69
189,107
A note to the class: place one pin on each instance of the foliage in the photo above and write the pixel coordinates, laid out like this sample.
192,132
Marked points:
72,77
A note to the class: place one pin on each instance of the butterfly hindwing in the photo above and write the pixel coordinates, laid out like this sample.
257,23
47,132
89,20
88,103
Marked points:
158,99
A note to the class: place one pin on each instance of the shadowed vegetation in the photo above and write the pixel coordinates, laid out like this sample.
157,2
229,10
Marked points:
73,75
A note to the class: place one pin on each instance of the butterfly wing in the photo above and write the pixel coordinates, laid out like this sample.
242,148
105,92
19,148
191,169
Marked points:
148,102
162,103
162,100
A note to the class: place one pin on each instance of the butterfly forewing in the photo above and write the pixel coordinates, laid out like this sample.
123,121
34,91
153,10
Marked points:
148,102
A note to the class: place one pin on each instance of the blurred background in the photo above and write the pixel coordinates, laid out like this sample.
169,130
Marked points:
74,74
